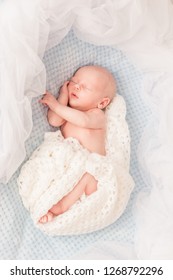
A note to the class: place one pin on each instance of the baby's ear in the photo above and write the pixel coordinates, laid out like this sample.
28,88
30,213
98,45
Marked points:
103,103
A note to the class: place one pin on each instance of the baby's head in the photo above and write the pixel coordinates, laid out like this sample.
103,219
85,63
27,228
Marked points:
91,87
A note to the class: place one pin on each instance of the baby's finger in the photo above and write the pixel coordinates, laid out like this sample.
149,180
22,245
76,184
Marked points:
48,93
42,98
64,87
66,83
42,101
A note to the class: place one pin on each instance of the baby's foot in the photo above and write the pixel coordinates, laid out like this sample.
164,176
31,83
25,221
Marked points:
46,218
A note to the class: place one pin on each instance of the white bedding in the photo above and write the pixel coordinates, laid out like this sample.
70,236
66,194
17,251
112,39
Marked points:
24,30
24,240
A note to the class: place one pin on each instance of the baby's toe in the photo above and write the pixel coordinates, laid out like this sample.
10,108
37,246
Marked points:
49,216
46,218
43,219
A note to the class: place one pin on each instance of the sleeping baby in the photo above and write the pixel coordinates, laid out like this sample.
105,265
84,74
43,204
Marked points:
79,112
77,180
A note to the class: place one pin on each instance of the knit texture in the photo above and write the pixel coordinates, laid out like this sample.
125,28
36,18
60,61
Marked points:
58,164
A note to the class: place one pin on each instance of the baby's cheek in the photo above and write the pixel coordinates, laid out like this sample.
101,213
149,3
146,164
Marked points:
69,88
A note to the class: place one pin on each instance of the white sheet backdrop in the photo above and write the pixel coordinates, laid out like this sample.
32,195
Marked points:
143,29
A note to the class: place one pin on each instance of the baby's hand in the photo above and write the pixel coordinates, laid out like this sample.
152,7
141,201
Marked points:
49,100
64,88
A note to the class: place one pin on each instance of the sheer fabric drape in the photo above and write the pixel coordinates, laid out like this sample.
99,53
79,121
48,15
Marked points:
144,31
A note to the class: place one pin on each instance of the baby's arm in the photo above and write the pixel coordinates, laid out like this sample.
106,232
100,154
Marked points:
53,118
93,118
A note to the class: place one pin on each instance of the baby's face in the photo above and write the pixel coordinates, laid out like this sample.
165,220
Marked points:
86,88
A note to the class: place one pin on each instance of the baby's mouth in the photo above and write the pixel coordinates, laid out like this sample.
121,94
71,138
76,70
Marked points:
73,95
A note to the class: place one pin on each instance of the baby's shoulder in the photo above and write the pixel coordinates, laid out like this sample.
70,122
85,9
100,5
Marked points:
97,111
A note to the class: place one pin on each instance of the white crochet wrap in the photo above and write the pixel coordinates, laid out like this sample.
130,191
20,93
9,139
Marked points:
58,164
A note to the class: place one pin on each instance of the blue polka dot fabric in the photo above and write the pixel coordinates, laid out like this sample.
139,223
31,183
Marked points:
19,238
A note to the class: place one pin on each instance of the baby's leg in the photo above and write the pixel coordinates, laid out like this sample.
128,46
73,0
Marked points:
91,184
87,184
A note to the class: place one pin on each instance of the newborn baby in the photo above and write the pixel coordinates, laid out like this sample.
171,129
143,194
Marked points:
79,112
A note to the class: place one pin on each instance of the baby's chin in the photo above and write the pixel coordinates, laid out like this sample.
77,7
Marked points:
73,105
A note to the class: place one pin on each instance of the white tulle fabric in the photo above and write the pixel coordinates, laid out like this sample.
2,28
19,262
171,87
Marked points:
58,164
143,29
154,208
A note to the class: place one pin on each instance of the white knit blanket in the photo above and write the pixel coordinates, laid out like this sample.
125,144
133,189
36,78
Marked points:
58,164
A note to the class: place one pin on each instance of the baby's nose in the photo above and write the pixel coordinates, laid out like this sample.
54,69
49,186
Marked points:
77,86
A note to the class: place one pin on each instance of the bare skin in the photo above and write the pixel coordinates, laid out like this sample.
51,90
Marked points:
78,112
